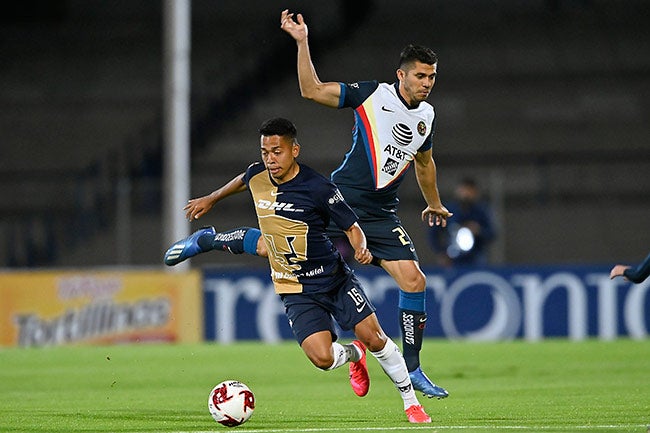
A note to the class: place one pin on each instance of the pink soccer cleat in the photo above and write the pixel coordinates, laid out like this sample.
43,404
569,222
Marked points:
359,378
417,415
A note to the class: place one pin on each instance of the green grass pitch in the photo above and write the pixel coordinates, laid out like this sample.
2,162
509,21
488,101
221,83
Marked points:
550,386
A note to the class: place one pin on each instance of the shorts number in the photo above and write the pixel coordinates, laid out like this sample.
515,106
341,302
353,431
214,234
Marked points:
403,237
356,296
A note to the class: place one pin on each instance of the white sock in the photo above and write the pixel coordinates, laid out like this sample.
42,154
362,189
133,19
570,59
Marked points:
392,361
344,353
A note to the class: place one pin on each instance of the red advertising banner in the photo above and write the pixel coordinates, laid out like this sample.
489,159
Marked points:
57,308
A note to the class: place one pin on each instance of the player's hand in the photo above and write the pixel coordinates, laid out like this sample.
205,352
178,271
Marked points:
617,271
436,216
197,207
363,256
297,30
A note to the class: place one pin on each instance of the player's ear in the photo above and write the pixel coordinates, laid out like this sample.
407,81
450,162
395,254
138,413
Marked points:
400,74
295,149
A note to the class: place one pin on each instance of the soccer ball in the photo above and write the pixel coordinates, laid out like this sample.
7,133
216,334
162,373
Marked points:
231,403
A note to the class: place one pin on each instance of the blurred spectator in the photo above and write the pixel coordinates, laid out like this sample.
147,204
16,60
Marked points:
469,232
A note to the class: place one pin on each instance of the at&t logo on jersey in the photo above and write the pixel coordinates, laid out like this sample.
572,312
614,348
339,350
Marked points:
277,205
402,134
395,152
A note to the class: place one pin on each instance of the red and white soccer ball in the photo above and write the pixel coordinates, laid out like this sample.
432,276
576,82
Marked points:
231,403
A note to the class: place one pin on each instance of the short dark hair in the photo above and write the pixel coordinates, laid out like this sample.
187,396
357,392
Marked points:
278,126
411,53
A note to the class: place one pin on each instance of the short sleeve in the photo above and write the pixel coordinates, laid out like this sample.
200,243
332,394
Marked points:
336,206
353,94
428,142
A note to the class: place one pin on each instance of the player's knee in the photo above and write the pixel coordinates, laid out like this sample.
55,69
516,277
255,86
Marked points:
369,332
376,342
415,282
408,275
321,359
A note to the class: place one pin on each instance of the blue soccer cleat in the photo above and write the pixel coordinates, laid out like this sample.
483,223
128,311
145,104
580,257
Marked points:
188,247
423,384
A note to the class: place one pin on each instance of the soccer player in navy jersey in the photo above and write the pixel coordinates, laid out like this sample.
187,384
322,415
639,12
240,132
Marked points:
394,126
637,274
393,130
294,205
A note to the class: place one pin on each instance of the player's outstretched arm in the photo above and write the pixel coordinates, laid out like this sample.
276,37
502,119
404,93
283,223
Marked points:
311,87
637,274
197,207
357,239
425,173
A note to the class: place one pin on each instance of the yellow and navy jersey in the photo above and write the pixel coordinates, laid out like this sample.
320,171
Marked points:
292,217
386,136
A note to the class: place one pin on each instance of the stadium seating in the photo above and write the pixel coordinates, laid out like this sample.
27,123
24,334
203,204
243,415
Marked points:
542,102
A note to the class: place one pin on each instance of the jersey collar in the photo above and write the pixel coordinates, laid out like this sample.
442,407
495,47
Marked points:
399,95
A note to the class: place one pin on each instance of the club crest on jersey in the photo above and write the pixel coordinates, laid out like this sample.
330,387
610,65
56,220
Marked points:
276,205
402,134
390,167
422,128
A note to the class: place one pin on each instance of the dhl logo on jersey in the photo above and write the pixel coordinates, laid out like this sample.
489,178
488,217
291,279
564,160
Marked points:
276,205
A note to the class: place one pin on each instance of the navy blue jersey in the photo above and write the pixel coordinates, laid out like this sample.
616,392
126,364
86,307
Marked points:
292,217
386,136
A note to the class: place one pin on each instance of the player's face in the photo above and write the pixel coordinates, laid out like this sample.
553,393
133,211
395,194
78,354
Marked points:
416,81
279,156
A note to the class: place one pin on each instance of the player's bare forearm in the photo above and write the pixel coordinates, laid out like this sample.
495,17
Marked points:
358,242
197,207
425,172
426,175
429,191
310,85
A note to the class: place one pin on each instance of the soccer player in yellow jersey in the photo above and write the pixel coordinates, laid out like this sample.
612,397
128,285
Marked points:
294,205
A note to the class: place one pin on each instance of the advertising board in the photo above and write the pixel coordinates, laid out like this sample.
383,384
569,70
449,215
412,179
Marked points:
55,308
486,304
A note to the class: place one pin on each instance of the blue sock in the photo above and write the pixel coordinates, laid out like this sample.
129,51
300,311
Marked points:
412,319
250,241
414,301
237,241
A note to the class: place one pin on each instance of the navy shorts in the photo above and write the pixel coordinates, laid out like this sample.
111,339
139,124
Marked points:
309,313
387,239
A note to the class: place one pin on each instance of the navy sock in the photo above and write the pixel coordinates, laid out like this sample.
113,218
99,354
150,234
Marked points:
237,241
412,319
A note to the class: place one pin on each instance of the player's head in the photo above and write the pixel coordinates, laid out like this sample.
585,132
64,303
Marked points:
417,73
279,126
279,148
412,53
